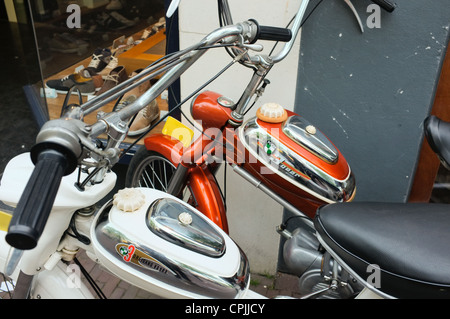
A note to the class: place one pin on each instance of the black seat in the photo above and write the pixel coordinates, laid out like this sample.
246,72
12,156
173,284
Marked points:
437,133
409,242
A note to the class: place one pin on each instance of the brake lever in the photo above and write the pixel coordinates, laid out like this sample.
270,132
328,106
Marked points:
355,13
385,4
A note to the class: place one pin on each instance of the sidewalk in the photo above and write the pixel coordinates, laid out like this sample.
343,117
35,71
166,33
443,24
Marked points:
114,288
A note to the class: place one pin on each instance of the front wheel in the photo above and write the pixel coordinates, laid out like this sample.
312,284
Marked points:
152,170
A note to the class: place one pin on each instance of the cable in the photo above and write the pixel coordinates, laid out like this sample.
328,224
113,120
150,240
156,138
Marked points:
283,225
178,106
91,281
82,238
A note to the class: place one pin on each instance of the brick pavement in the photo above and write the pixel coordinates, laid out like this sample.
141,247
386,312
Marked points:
114,288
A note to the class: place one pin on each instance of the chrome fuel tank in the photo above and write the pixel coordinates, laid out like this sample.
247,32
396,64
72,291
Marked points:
298,160
160,244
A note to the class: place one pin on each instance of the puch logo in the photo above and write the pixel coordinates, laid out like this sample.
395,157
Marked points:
132,255
127,252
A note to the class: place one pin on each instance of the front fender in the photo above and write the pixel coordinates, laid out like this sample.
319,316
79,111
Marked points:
201,181
165,145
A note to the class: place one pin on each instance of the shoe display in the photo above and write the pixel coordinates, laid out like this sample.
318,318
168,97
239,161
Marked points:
147,115
121,19
112,20
66,43
144,119
108,28
82,80
58,44
114,5
139,90
81,44
96,78
100,59
130,96
113,63
116,76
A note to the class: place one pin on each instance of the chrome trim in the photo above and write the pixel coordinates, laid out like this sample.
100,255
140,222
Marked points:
353,273
197,235
157,267
298,129
295,30
284,162
259,185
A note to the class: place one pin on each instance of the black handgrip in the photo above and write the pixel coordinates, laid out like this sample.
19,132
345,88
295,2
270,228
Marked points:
271,33
35,204
274,34
386,5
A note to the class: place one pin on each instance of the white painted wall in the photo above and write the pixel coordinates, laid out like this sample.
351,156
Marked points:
252,215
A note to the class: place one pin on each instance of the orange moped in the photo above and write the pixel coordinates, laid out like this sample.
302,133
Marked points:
278,151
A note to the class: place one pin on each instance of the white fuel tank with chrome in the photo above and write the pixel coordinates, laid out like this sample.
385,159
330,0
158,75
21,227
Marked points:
160,244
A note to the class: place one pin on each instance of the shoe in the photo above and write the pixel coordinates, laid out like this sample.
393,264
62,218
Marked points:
114,5
119,22
96,78
81,44
100,59
116,76
125,46
144,119
147,115
131,96
113,63
147,33
58,44
82,80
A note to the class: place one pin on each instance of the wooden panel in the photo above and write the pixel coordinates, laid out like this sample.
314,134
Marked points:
145,53
428,164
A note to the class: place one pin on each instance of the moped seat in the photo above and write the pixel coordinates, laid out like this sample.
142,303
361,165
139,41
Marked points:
410,243
437,133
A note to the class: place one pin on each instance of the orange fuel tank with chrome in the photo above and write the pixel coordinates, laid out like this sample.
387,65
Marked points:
295,159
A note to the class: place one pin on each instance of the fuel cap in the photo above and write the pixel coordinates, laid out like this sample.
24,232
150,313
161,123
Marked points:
271,113
185,218
129,199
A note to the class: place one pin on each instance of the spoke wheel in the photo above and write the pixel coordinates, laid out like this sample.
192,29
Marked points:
7,286
152,170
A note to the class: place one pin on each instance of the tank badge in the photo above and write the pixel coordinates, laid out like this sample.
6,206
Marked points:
131,254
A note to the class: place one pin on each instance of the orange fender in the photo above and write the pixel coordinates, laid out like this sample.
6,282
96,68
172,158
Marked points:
201,181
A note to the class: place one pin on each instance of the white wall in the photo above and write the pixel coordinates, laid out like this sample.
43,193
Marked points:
252,215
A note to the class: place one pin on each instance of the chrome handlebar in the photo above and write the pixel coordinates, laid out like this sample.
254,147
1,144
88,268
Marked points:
115,124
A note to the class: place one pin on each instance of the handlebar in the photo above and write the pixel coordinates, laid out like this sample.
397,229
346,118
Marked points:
385,4
33,209
271,33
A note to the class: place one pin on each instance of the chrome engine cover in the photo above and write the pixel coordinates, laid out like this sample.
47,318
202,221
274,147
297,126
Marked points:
168,248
